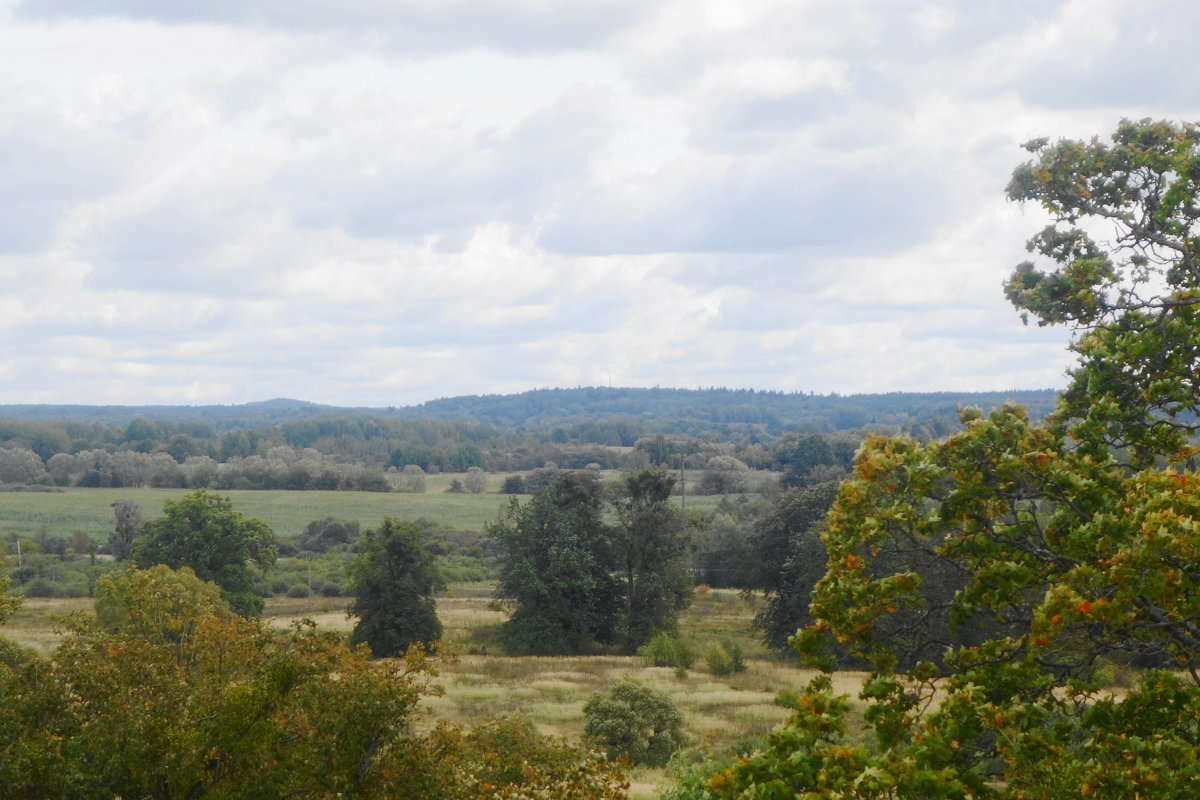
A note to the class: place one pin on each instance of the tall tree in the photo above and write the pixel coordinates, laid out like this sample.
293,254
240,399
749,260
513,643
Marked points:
128,519
394,579
1075,542
650,549
203,531
788,559
555,569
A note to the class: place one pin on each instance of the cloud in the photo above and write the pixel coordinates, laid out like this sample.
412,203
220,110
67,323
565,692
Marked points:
409,26
377,204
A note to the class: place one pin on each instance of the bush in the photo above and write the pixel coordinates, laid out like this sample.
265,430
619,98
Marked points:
279,586
636,721
299,590
665,650
724,659
718,659
331,590
40,587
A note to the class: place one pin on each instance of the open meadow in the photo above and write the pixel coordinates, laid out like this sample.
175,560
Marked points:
721,715
61,513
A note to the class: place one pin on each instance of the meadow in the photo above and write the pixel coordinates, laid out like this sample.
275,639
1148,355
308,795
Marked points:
61,513
722,715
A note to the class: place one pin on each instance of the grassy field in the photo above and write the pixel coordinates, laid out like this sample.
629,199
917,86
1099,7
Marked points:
287,512
721,714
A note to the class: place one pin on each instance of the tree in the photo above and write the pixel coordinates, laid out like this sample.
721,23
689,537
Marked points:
202,531
1134,299
128,519
20,465
651,545
394,579
555,569
1072,545
634,721
412,479
476,482
322,534
169,694
789,559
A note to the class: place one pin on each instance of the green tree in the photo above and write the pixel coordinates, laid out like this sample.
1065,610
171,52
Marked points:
203,531
555,569
128,519
1133,298
651,546
789,559
203,703
393,580
635,721
1075,542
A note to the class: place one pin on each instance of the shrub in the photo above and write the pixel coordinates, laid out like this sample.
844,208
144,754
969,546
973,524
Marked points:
665,650
299,590
636,721
40,587
718,659
331,590
279,586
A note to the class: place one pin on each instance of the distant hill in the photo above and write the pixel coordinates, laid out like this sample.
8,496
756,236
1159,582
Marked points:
683,410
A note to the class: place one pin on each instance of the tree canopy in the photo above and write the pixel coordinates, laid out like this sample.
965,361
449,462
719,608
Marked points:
1074,544
577,581
203,531
168,694
394,579
555,568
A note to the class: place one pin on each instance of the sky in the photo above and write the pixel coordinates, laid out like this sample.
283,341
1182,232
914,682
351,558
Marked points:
374,204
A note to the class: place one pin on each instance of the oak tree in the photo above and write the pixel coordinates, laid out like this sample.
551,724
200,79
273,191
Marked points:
1075,542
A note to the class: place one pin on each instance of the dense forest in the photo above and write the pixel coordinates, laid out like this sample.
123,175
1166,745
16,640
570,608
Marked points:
286,444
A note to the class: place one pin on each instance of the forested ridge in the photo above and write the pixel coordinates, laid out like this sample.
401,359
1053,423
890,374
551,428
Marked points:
660,408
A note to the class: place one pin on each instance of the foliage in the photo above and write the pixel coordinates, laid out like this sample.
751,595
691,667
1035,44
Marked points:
509,759
204,532
555,569
1134,298
576,581
789,559
666,650
175,696
651,549
1065,545
220,707
393,580
723,659
635,721
9,603
322,534
129,518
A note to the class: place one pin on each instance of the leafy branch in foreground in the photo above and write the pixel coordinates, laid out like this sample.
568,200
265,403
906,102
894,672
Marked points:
1070,545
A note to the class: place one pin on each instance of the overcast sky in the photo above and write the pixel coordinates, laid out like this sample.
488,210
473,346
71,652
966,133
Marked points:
380,203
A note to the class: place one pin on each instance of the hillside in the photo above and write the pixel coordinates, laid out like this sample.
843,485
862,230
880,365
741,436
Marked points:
681,410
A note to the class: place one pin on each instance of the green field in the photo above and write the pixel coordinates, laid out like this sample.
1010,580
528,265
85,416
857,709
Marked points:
61,513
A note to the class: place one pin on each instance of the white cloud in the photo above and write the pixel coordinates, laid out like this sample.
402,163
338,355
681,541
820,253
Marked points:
377,204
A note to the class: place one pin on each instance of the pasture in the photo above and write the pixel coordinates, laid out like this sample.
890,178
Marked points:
61,513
